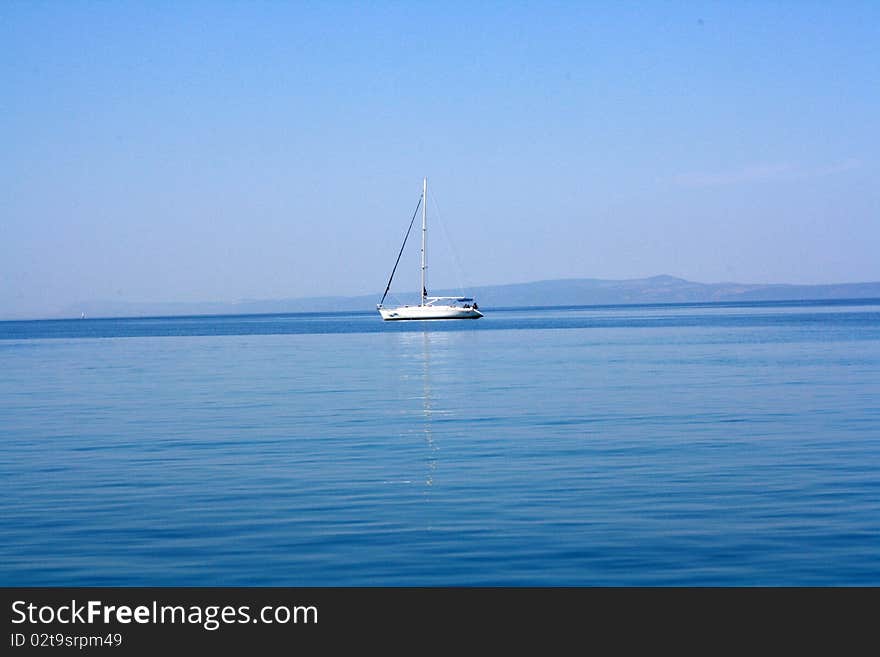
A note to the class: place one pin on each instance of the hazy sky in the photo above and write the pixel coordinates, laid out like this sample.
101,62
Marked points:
216,151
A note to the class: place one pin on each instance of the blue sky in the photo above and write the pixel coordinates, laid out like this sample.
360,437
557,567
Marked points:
217,151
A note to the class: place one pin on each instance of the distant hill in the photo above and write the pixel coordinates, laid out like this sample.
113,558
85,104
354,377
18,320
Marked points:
565,292
660,289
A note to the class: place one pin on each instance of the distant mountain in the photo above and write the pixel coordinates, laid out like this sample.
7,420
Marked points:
565,292
660,289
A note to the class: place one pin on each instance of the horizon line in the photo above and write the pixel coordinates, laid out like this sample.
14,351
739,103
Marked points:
74,309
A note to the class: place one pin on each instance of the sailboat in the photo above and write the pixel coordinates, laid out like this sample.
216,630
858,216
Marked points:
429,307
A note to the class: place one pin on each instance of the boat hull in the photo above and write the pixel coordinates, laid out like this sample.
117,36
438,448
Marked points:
428,312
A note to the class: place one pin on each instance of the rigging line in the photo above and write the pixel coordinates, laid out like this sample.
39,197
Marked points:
411,222
458,268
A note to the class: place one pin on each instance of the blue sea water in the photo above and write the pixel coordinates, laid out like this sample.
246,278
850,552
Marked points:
714,444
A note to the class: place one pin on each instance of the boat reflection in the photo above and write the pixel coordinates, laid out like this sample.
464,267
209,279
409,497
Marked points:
420,345
427,404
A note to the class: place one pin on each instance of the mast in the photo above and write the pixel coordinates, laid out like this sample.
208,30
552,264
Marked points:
424,290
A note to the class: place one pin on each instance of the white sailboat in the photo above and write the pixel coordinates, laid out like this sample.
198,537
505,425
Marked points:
429,307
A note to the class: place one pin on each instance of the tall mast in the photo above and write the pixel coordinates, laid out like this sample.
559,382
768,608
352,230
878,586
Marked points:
424,290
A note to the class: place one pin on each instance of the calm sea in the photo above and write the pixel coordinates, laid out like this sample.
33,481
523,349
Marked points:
655,445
